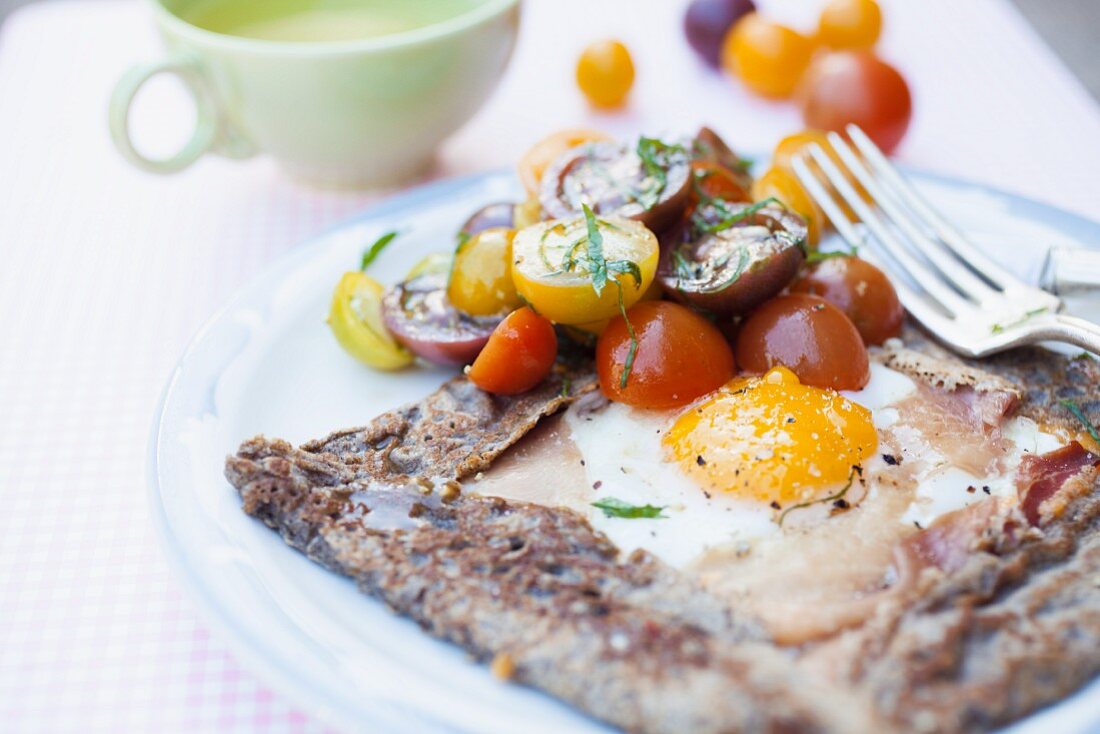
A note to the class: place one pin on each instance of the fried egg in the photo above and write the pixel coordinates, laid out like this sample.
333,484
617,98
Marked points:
773,493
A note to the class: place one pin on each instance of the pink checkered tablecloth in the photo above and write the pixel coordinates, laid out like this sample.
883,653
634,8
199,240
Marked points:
106,272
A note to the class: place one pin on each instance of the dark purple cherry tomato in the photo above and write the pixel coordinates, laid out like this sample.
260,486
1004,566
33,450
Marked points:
706,23
419,316
499,214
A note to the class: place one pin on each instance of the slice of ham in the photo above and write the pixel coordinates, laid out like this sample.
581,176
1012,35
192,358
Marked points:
1041,476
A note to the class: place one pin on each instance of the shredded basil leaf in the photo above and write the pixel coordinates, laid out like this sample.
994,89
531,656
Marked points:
632,352
372,252
1079,414
596,264
818,256
732,217
1000,328
831,498
613,507
654,155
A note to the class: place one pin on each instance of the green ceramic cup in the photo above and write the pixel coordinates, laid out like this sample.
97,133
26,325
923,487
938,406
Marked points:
368,112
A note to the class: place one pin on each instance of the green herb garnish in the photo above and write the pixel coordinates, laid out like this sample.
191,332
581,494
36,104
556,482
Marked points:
1000,328
597,265
818,256
1079,414
654,155
613,507
730,217
372,252
566,385
831,498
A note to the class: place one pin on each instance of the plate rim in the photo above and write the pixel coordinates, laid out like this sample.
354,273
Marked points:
300,690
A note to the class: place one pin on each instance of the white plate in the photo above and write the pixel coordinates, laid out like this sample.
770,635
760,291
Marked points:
268,364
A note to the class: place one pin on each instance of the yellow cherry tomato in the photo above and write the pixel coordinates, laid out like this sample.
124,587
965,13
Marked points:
481,279
782,184
356,321
793,145
539,157
768,57
605,73
435,263
850,24
527,212
553,269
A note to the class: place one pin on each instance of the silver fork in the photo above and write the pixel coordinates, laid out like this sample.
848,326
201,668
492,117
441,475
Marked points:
965,299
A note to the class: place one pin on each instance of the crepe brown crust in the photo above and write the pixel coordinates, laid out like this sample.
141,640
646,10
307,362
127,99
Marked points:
635,643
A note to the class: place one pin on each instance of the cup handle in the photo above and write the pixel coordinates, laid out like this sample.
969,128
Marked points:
209,133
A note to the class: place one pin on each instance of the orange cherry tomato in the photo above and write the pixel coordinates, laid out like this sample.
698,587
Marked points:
861,291
792,145
605,73
847,87
519,354
715,181
850,24
539,157
809,336
680,356
781,184
768,57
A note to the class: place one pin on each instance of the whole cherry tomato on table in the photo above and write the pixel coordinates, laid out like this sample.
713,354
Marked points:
519,354
605,73
807,335
850,24
857,87
861,291
677,356
768,57
706,23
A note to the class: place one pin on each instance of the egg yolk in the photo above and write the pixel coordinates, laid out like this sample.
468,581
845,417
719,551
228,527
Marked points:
773,439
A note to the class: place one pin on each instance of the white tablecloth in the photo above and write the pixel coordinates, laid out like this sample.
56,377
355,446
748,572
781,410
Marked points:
106,272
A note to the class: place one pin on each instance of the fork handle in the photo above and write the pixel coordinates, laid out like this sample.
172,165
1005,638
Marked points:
1075,331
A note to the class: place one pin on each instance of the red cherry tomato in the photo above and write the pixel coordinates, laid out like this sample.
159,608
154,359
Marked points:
715,181
861,291
518,356
857,87
680,356
851,24
808,335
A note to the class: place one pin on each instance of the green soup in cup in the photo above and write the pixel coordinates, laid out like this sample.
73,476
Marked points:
339,92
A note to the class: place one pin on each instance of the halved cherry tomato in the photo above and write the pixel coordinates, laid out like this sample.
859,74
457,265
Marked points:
808,335
679,357
357,323
552,272
768,57
781,184
519,355
605,73
481,279
861,291
539,157
850,24
857,87
715,181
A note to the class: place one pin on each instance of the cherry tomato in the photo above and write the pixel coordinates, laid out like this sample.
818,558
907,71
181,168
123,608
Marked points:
605,73
715,181
809,336
857,87
552,273
781,184
861,291
356,320
792,145
850,24
481,279
519,355
768,57
706,23
680,356
539,157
